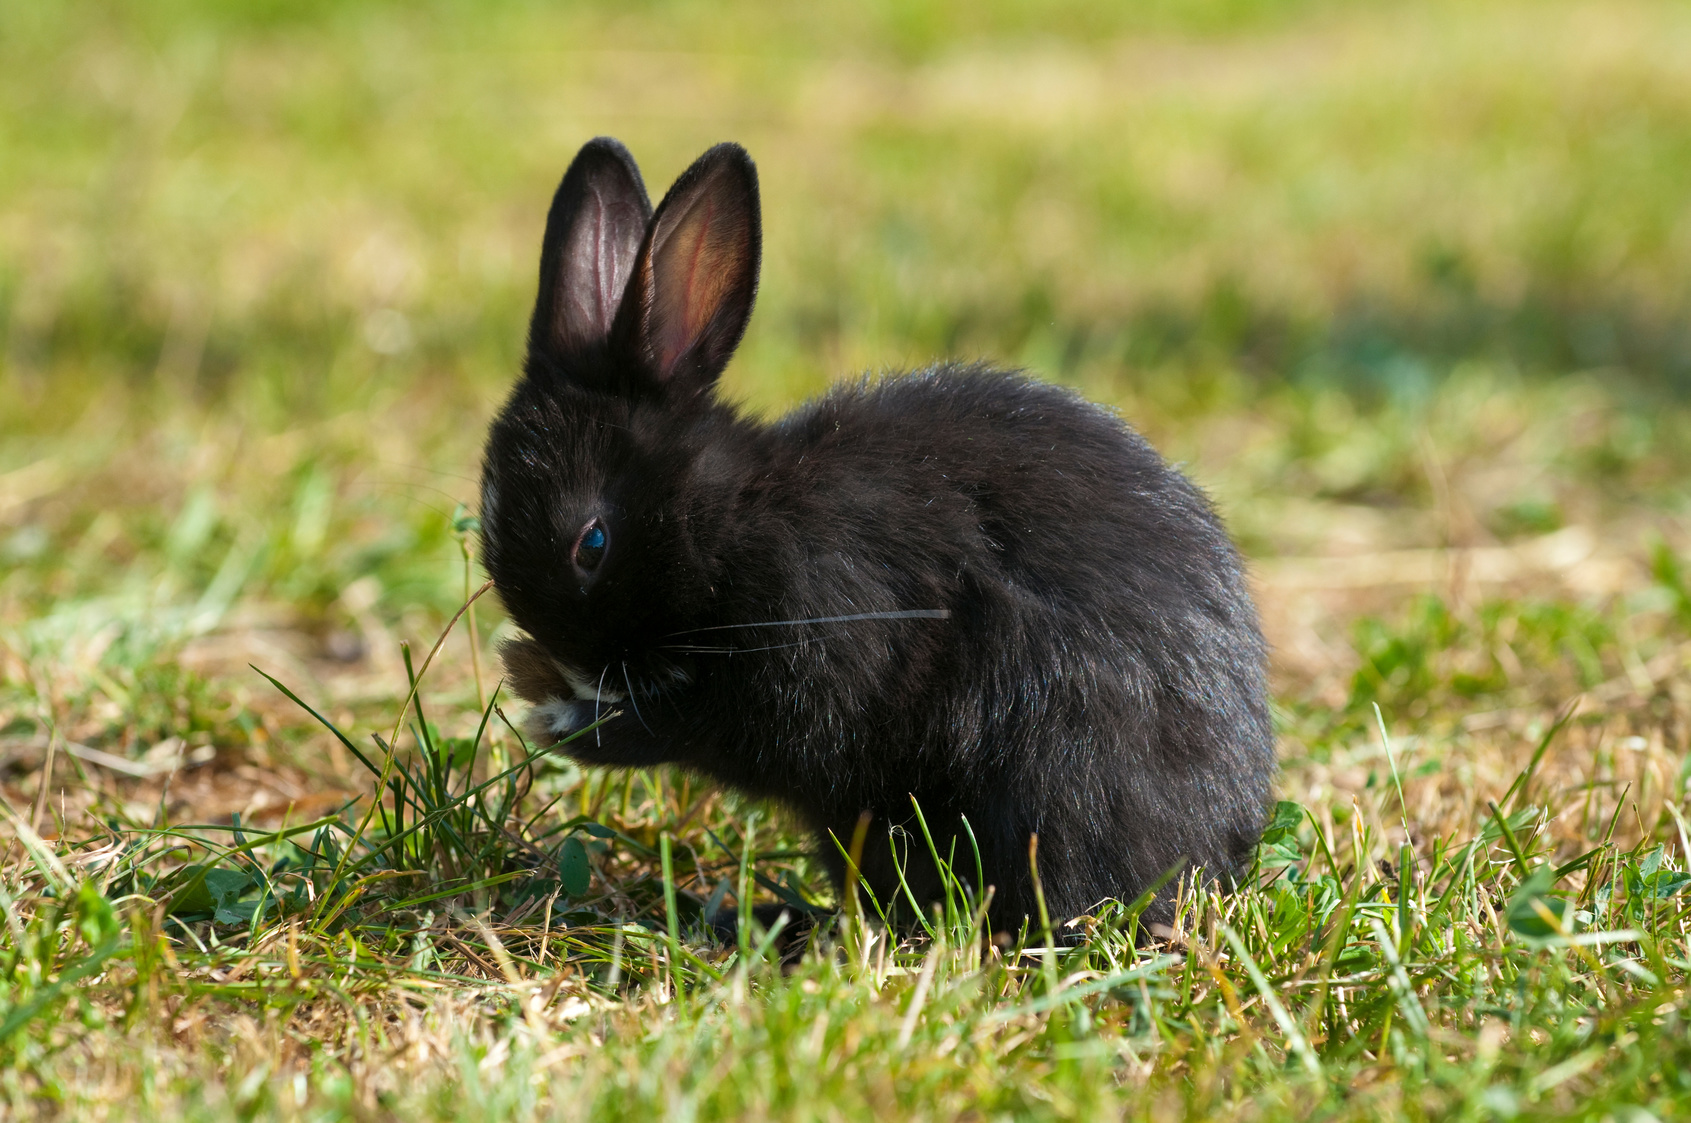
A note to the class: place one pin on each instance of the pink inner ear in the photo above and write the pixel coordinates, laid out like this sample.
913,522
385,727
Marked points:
601,249
695,263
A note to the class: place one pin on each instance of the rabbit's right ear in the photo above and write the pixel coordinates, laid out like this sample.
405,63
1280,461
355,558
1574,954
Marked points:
593,234
696,276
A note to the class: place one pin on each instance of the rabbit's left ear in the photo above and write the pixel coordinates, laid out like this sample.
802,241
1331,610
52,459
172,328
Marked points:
695,278
593,233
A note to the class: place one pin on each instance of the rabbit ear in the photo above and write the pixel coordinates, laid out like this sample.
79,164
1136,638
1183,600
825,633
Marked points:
593,234
696,277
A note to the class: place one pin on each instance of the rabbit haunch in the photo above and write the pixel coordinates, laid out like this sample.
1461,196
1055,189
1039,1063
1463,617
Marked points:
961,586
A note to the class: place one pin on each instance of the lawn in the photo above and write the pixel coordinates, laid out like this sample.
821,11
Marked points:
1405,286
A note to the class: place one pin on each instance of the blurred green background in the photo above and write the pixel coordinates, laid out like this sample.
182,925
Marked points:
1381,274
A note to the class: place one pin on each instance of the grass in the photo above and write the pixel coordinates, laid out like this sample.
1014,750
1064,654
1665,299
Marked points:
503,939
1403,285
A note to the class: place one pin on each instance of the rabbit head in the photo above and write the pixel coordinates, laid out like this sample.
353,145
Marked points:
596,485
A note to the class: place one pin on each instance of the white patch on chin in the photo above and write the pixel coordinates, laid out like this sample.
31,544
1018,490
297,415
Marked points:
587,689
554,719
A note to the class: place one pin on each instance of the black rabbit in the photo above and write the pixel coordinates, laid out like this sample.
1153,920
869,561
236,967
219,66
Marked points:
959,585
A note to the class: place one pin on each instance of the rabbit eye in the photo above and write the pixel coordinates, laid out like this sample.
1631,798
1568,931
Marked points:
590,546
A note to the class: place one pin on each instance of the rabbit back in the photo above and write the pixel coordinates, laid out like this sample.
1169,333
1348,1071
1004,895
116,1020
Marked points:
1098,680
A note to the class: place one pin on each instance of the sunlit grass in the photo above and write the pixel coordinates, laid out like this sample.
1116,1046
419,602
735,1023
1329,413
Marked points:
495,939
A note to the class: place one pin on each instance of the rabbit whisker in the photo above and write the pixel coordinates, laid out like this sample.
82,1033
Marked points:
597,694
632,701
900,614
688,650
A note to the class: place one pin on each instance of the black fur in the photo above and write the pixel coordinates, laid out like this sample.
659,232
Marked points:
1098,678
